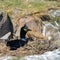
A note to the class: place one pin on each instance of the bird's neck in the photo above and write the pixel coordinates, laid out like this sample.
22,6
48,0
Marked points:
23,39
23,35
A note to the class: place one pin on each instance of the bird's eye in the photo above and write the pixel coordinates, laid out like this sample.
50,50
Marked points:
25,29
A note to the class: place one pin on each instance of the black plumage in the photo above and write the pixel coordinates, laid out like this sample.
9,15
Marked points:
14,44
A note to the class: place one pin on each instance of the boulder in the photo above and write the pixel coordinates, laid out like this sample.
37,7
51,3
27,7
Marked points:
5,25
54,12
34,24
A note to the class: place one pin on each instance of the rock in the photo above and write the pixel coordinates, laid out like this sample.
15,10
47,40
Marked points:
8,58
45,17
1,16
31,22
6,36
56,44
51,31
50,55
5,25
54,12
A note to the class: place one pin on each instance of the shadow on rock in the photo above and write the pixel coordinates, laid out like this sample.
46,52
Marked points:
6,25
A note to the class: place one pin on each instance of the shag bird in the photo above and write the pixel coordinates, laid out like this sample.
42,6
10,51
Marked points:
14,44
23,32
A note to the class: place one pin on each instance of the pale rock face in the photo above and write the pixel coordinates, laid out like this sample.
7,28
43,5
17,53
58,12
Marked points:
6,58
50,55
6,36
30,22
54,13
51,31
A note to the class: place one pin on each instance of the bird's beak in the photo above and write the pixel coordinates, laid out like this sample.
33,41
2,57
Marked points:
29,29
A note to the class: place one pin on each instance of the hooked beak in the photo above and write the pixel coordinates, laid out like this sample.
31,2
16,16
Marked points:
29,29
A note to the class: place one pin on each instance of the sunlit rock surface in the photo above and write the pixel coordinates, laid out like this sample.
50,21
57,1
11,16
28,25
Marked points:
51,55
31,22
7,58
51,30
54,13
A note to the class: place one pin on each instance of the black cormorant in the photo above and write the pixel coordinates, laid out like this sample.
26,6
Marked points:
23,32
14,44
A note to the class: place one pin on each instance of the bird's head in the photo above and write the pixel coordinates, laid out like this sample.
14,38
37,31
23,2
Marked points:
23,31
26,29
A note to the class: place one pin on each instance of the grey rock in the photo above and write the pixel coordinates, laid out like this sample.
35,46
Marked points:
54,13
50,55
5,25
